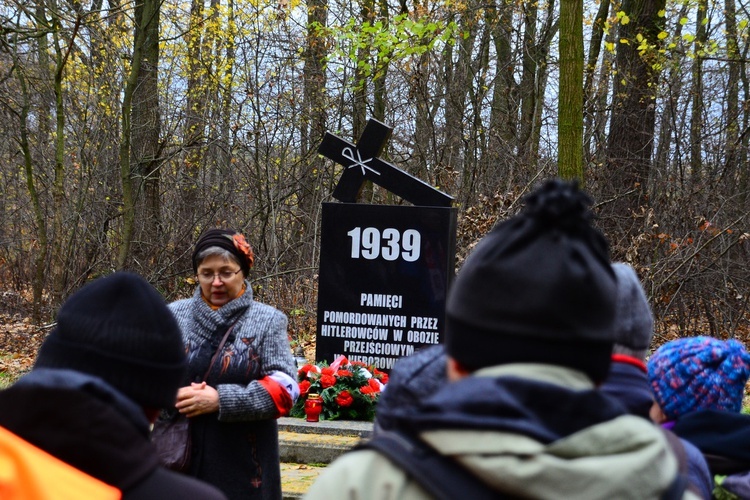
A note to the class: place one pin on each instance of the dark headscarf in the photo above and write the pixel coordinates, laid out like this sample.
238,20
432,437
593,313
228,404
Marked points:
229,240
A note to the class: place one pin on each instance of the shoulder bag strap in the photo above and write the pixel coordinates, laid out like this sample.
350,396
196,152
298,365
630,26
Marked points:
440,476
218,350
680,483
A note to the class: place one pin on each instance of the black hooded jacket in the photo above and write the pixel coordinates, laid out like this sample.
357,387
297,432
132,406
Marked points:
86,423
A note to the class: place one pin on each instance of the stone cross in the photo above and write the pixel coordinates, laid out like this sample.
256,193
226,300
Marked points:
361,163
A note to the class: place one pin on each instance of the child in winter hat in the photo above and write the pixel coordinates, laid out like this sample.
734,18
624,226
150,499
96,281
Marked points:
119,329
539,288
698,373
633,329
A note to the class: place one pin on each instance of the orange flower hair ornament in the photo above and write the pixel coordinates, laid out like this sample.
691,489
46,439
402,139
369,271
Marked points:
241,244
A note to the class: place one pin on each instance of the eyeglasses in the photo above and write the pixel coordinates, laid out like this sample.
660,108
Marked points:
224,276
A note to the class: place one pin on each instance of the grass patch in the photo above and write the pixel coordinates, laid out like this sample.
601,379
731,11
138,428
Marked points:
9,370
6,380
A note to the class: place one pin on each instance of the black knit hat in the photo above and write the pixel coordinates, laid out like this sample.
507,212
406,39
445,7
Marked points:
120,329
229,240
538,288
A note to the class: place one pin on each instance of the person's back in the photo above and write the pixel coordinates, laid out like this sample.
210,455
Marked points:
114,359
528,336
724,439
699,385
412,379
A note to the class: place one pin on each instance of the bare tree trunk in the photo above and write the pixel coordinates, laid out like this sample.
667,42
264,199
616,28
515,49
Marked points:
744,171
146,12
381,69
570,107
423,130
598,114
314,109
669,117
145,147
458,82
40,259
476,145
504,112
195,113
498,163
314,116
47,101
219,148
696,93
359,118
527,90
213,59
733,88
58,267
589,91
541,54
229,76
632,124
43,111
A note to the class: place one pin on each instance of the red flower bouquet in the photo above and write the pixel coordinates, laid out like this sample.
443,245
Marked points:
350,391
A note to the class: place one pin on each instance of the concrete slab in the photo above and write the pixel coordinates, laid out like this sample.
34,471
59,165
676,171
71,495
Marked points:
297,478
308,448
326,427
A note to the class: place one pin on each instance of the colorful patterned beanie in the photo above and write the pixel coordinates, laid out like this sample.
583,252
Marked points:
699,373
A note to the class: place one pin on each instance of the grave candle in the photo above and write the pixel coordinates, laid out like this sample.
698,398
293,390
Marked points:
313,407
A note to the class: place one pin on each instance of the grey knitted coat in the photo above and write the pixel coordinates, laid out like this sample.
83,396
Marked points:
237,448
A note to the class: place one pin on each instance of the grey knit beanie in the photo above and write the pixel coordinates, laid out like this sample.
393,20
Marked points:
120,329
634,322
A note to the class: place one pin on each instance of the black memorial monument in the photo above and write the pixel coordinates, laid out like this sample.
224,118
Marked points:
384,269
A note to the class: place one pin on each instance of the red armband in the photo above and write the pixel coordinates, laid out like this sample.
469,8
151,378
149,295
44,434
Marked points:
279,394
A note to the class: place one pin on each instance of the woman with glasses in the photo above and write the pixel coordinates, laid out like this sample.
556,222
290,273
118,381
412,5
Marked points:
252,381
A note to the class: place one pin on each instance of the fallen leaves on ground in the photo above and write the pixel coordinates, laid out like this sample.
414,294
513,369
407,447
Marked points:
19,342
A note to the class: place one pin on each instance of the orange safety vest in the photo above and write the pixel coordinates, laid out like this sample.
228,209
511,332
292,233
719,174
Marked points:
29,473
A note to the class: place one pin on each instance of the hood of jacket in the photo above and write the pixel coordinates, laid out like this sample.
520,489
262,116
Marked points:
84,422
541,431
629,384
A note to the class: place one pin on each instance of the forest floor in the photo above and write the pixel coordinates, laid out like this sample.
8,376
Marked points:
19,343
20,338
